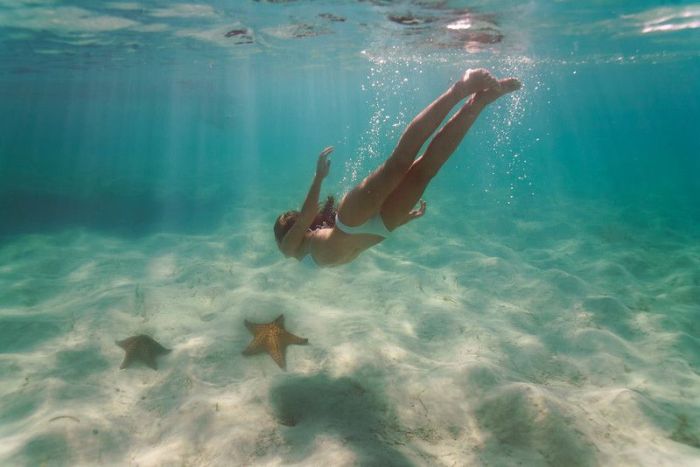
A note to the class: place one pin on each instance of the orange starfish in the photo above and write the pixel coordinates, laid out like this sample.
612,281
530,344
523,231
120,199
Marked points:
273,339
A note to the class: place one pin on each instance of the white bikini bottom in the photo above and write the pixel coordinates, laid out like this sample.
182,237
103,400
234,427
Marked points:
373,226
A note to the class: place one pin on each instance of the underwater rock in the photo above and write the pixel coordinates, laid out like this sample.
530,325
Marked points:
142,348
272,338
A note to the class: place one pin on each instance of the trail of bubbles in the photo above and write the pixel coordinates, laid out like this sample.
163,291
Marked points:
391,91
512,154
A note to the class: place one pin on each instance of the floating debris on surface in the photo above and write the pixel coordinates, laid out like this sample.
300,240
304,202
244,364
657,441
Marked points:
235,32
434,4
241,35
444,27
407,25
297,31
471,30
332,17
410,19
305,30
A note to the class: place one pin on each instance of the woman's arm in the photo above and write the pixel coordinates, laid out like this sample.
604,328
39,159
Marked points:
293,239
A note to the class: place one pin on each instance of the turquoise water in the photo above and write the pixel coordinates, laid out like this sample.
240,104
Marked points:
543,312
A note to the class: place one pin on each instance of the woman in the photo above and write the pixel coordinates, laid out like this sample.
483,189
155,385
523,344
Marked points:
385,199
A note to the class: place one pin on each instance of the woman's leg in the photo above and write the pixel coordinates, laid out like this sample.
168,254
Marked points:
366,199
400,202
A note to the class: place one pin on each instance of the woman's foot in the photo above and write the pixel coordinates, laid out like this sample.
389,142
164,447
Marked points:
475,81
502,87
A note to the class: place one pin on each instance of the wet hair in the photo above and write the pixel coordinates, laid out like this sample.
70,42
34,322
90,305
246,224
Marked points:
283,223
324,218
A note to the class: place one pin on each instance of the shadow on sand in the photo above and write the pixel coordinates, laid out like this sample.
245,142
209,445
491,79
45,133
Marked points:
309,406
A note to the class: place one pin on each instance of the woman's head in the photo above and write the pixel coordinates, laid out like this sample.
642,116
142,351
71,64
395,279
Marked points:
325,217
283,223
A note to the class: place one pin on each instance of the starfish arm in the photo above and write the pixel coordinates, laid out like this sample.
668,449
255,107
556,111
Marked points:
149,358
249,325
277,353
128,358
254,328
124,343
289,338
159,349
272,338
254,347
143,348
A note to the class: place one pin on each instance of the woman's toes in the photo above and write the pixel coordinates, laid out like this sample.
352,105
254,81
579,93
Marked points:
509,85
503,86
476,80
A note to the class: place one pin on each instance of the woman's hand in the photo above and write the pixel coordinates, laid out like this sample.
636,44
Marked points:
324,164
416,213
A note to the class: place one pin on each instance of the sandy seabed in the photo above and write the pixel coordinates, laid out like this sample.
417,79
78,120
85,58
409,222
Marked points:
565,337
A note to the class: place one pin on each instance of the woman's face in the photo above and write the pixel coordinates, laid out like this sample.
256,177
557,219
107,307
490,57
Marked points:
283,223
